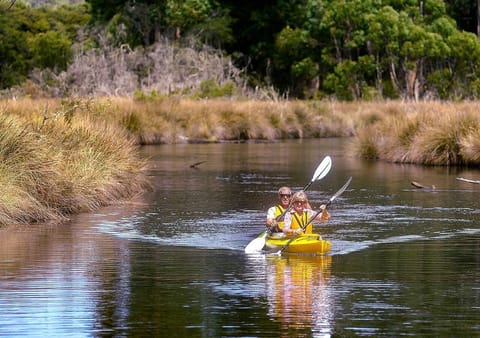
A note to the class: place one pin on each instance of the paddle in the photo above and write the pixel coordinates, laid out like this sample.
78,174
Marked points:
321,171
338,193
257,244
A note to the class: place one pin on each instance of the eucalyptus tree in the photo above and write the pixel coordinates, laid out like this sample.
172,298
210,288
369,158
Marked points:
143,23
383,44
460,76
293,58
400,48
438,59
36,38
14,61
346,54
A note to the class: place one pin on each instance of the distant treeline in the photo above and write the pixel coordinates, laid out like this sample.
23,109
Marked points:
347,50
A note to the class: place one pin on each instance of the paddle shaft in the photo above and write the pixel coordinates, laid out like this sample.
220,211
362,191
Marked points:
321,171
338,193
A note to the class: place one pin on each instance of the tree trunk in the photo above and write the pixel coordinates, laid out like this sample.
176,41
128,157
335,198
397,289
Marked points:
410,79
379,74
393,76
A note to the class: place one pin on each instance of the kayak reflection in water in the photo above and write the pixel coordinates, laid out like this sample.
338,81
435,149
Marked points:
299,294
299,219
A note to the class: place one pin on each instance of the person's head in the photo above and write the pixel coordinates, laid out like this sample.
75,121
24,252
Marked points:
299,201
284,194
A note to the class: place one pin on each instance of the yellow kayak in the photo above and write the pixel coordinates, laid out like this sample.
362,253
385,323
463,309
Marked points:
304,244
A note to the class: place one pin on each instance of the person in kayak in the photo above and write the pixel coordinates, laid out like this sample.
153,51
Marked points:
296,220
274,214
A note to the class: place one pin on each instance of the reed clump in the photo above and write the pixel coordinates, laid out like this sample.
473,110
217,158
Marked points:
430,133
56,162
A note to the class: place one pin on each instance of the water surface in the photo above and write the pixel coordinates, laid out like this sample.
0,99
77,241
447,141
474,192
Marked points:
404,261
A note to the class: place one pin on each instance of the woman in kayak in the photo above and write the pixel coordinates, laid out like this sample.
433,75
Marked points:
296,220
274,214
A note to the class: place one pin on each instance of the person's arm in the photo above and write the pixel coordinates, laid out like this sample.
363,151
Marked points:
322,216
287,222
270,216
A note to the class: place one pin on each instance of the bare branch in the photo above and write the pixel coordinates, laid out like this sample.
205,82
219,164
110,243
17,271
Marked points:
12,2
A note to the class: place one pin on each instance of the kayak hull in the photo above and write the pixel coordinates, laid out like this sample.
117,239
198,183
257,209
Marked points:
303,244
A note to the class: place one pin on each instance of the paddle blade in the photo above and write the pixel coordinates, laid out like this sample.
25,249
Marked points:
257,244
340,191
322,169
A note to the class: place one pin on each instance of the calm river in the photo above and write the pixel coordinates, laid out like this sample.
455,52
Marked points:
404,261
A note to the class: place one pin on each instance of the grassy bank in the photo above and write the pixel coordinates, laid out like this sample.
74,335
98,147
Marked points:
430,133
62,157
54,163
183,121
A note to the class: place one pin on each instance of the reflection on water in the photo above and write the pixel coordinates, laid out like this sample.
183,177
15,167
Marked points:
404,261
54,280
299,294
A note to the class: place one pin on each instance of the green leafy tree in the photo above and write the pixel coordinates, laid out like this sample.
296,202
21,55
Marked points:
14,63
185,14
142,23
463,65
293,47
383,45
42,38
50,50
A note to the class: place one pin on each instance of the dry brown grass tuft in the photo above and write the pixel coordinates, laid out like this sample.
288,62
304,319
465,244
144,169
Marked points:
432,133
175,120
470,147
55,161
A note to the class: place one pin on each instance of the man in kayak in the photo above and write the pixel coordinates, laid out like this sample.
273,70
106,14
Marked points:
296,220
275,214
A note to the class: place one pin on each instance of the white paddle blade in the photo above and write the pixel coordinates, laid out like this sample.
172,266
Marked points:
257,244
341,190
322,169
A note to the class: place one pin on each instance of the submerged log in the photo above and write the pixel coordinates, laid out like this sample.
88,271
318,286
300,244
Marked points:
468,180
421,186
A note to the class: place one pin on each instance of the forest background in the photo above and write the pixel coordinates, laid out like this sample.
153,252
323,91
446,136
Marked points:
346,50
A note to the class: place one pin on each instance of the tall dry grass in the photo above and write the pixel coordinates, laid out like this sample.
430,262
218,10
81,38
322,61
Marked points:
175,120
59,157
54,163
431,133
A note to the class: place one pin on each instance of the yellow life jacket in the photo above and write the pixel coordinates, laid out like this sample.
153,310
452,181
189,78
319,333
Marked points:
299,221
278,211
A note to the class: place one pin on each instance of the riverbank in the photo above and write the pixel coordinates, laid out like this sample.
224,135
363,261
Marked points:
63,157
55,163
429,133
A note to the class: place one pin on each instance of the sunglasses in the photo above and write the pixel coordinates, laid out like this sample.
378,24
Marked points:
285,195
299,202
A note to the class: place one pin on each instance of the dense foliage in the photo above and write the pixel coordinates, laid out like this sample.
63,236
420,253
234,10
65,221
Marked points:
41,37
356,49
